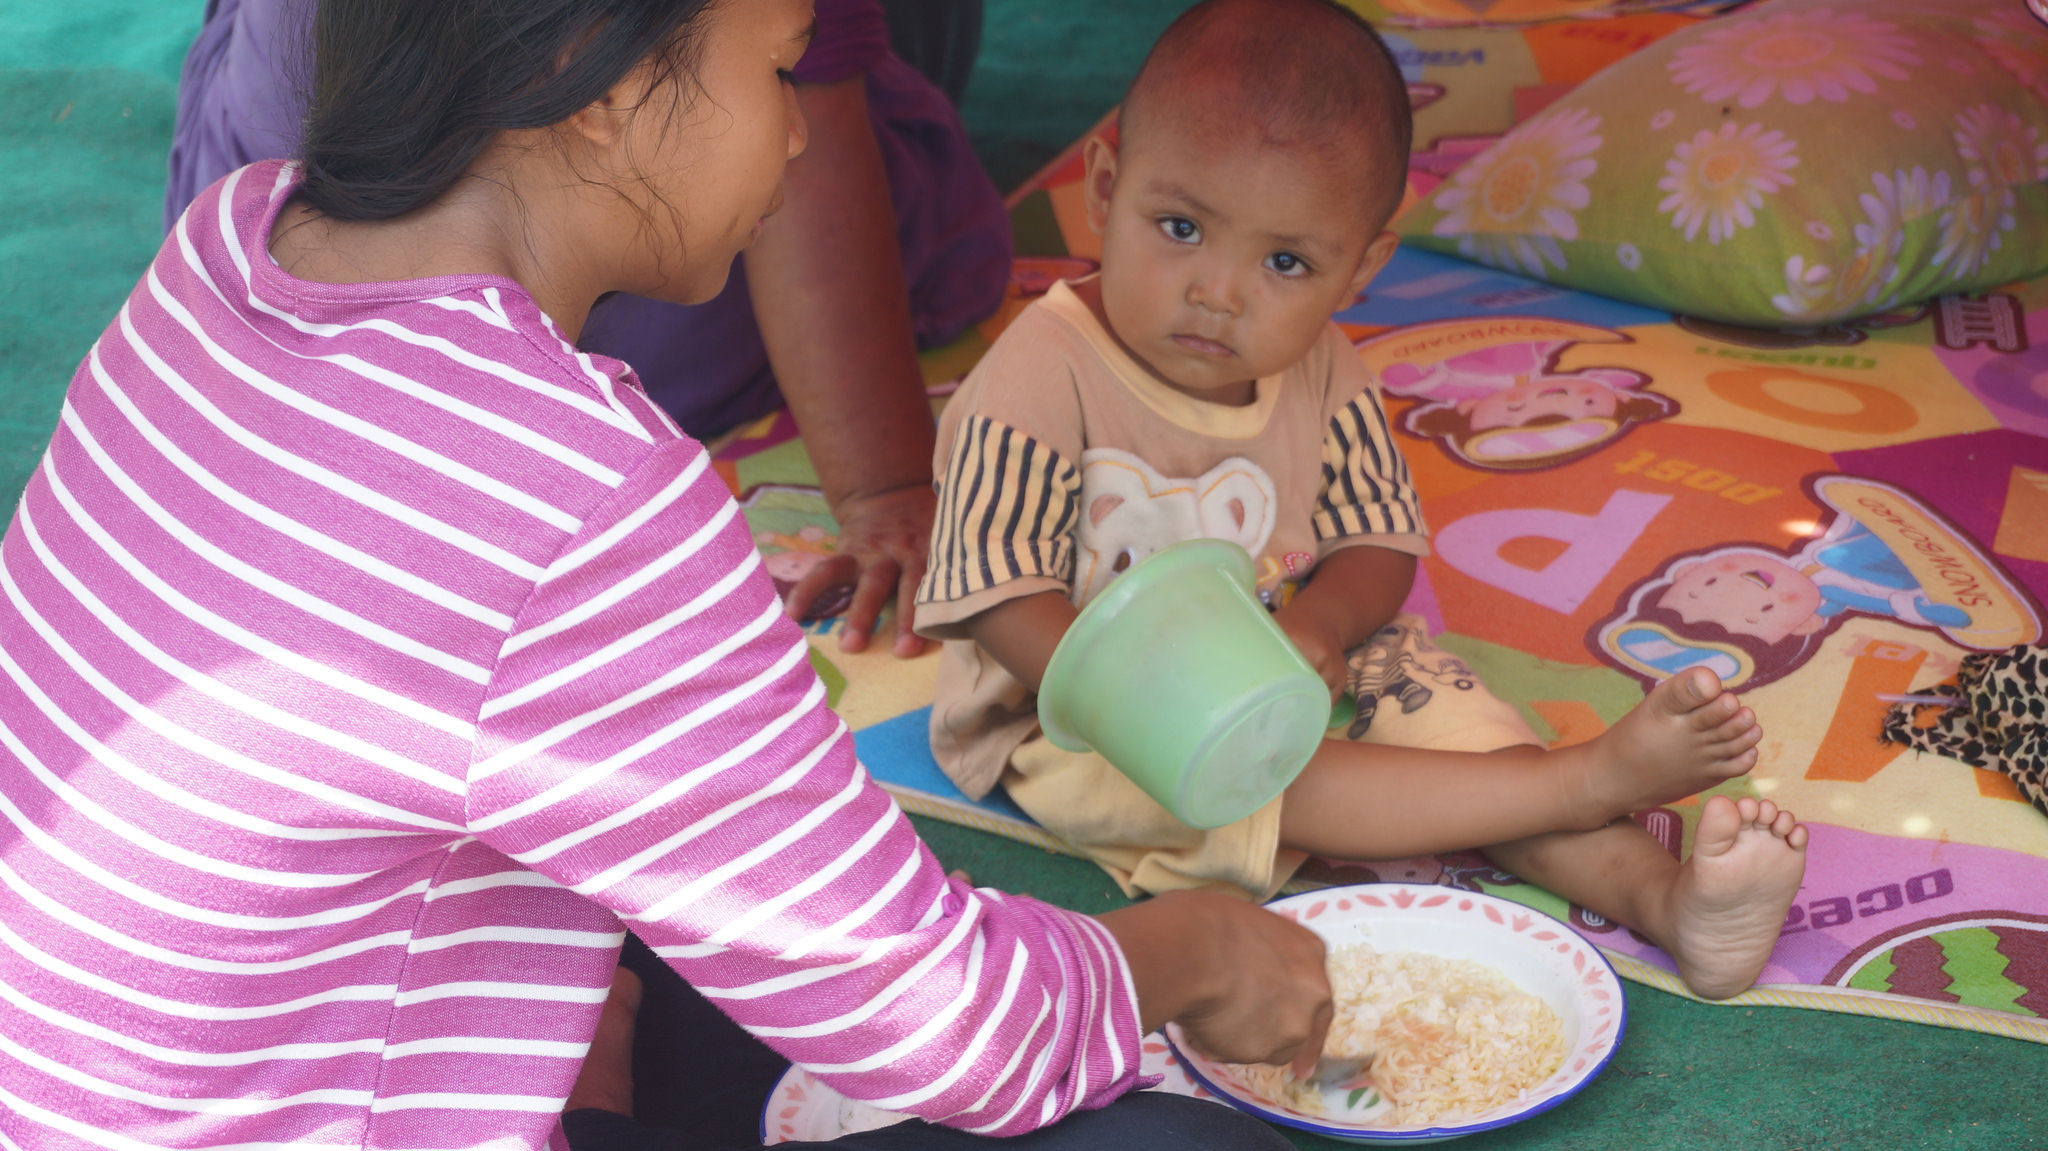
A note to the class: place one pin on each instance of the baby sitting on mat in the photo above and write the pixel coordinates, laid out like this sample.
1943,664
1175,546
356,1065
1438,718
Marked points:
1196,387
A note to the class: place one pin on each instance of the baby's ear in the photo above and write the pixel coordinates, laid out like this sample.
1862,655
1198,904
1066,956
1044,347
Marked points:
1099,182
1376,256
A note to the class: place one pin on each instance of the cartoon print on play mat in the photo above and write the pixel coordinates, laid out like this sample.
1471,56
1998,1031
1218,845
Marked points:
1462,870
2004,953
1500,401
1129,511
1400,665
1754,614
1841,334
1995,321
790,556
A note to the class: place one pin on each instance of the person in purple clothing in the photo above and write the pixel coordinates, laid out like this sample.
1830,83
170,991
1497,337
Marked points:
891,237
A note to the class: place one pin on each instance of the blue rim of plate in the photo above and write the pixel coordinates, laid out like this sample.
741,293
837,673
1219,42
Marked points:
1427,1134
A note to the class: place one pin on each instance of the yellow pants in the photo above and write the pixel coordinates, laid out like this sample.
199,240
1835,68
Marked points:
1411,694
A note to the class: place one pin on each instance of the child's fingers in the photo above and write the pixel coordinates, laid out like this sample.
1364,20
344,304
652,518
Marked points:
1335,674
877,581
830,573
1329,663
908,642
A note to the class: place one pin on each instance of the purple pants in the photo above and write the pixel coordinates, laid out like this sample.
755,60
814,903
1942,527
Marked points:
242,96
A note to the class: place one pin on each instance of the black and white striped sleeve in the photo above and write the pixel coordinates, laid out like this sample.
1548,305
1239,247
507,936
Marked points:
1366,488
1007,508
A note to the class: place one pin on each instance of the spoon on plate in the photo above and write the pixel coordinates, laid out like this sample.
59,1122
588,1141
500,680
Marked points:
1336,1071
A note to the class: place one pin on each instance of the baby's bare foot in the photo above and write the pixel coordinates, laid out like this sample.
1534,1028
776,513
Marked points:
1685,737
1728,902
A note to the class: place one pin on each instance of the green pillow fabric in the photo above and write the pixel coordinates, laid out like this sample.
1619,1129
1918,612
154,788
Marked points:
1795,163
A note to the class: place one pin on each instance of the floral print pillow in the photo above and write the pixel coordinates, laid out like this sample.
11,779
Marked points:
1796,163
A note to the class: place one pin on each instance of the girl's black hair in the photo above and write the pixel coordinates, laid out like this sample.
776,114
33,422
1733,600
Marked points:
406,94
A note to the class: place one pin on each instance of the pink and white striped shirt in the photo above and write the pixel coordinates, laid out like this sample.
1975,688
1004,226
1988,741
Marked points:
367,654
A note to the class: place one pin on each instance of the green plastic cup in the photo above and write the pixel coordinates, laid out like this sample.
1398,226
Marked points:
1178,676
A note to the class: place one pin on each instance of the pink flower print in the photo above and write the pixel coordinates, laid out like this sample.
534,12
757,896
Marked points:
2017,41
1999,149
1511,205
1719,178
1818,53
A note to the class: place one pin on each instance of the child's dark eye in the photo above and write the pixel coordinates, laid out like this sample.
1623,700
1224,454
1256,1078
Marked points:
1181,228
1287,264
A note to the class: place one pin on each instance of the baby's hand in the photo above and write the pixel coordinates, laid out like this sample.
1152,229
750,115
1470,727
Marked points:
1320,645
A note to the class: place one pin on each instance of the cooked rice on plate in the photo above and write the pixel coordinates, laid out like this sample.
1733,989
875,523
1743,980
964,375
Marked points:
1446,1038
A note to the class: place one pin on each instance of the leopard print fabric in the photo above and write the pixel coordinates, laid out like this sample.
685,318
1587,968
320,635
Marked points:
2001,723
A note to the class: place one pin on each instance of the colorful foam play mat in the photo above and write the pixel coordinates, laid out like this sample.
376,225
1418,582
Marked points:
1613,490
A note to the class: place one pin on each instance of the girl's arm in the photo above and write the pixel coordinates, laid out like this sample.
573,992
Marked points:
654,739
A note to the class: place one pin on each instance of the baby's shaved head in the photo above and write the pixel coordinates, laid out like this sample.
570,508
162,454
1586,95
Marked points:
1300,75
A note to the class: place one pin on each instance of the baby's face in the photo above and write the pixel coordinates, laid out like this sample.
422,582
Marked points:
1571,397
1223,264
1752,593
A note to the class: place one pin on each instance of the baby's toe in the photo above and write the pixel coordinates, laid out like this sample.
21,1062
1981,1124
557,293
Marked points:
1690,692
1739,731
1720,820
1738,763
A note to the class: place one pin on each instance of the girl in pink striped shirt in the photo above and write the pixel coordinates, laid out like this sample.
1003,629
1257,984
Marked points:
370,658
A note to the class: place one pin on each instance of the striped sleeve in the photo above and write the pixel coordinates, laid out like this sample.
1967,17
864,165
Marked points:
1007,507
655,739
1366,489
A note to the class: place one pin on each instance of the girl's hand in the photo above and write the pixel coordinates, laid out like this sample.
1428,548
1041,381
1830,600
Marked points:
882,542
1245,985
1320,645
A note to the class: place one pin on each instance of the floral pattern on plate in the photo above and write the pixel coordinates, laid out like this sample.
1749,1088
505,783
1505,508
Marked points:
1543,956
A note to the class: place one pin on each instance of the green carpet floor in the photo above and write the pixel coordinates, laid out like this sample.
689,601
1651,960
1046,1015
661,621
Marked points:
87,93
